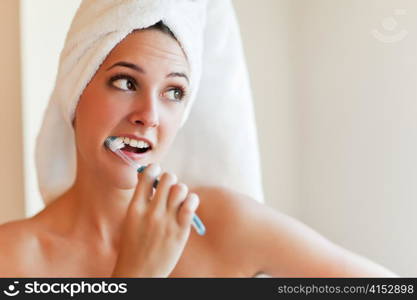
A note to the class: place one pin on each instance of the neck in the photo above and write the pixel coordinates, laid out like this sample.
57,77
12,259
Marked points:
92,210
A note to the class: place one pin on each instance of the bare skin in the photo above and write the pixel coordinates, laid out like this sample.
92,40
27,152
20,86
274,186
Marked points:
232,246
109,225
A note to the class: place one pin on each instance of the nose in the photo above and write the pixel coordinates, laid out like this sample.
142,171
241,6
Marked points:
145,112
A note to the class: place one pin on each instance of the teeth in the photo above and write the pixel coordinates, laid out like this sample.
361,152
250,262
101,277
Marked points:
134,143
142,144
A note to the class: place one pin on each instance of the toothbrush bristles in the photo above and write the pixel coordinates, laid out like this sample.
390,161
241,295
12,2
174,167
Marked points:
114,143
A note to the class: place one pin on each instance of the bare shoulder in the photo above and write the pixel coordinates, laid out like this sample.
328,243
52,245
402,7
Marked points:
227,214
264,240
15,234
216,201
19,244
224,208
250,233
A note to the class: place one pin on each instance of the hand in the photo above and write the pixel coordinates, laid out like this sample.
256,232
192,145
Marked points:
156,227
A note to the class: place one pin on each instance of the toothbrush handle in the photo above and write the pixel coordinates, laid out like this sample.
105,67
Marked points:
198,225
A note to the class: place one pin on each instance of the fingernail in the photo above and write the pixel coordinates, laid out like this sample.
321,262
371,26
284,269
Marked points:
155,169
194,202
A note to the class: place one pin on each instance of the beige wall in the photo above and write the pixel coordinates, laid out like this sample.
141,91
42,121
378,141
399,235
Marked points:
41,45
335,94
11,143
355,89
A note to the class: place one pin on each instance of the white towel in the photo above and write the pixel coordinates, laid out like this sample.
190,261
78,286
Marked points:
217,146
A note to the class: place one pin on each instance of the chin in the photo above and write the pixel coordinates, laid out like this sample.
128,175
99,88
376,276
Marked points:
121,175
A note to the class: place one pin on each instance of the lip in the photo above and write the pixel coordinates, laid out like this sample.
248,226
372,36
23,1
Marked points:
136,156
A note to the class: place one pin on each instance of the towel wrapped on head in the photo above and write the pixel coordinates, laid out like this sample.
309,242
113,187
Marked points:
218,144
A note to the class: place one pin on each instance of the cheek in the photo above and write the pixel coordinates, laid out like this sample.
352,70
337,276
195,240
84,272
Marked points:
169,129
97,110
93,120
85,129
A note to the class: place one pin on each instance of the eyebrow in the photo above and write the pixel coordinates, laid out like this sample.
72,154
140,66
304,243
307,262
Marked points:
140,70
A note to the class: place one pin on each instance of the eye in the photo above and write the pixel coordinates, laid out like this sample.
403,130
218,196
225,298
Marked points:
123,82
175,94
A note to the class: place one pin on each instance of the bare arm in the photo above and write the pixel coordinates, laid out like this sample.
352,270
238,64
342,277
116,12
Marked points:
280,246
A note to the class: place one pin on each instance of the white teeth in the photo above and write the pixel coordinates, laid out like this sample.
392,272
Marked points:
142,144
133,143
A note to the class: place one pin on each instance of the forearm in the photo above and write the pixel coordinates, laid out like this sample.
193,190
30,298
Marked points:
354,265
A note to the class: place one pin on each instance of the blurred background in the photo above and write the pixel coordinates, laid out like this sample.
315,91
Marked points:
334,85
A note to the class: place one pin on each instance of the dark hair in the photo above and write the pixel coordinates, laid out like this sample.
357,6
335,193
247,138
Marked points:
163,28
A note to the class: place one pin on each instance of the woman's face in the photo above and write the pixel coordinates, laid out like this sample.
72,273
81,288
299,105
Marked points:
139,91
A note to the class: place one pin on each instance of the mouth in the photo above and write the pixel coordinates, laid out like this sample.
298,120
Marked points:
133,146
129,148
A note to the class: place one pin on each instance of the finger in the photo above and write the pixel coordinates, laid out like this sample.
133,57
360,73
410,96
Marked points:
187,209
144,188
159,201
176,196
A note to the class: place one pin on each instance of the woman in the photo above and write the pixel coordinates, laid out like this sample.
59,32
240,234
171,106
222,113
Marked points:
112,223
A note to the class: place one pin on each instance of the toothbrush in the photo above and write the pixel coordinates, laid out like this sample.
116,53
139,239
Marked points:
115,144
